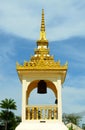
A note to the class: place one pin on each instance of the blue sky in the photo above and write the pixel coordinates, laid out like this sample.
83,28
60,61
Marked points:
65,28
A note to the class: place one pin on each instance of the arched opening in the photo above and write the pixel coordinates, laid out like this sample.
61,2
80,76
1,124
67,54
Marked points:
41,99
41,106
34,84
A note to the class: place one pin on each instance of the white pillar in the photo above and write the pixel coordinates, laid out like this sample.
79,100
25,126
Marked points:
23,100
59,100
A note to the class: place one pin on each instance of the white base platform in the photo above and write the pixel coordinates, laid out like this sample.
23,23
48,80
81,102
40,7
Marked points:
41,125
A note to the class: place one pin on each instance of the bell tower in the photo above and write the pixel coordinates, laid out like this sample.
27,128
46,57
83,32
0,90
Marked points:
41,72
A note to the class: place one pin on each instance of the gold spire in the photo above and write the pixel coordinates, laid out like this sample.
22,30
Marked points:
42,22
42,30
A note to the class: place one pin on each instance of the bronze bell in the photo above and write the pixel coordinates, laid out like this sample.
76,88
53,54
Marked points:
42,87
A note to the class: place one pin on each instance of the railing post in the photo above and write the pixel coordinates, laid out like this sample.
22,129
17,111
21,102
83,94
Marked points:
45,113
37,113
41,113
55,113
28,113
33,113
49,114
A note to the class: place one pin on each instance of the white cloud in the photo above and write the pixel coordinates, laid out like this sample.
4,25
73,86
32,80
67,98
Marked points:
74,97
63,19
7,53
11,88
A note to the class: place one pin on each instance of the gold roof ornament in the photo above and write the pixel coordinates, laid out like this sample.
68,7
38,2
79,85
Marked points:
42,22
42,60
42,30
42,40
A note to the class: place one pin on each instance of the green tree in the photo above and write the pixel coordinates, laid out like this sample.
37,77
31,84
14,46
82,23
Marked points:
8,104
83,126
18,120
7,116
14,122
71,118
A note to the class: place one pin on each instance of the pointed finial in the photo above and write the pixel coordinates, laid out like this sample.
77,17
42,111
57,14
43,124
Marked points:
42,30
42,21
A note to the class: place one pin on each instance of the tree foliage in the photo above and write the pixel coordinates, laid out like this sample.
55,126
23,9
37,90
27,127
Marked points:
71,118
8,104
7,116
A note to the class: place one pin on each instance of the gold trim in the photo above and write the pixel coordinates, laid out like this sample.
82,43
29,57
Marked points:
41,65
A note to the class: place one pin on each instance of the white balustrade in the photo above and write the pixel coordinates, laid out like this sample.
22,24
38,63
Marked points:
45,112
